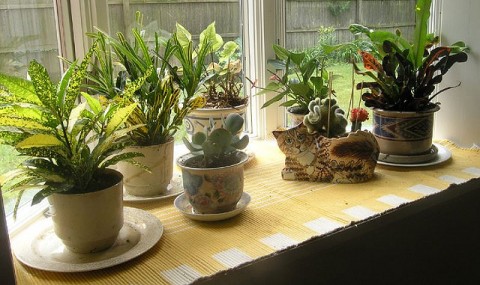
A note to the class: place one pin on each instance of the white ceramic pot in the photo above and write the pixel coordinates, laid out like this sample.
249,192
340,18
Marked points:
139,182
213,190
89,222
403,133
198,119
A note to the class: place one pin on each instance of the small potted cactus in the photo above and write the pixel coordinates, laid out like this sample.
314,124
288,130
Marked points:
319,149
213,172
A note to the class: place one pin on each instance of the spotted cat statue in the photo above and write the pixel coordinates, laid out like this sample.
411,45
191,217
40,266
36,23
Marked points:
313,157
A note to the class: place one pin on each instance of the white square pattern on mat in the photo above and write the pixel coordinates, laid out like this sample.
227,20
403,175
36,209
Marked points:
393,200
181,275
232,257
452,179
423,189
323,225
359,212
278,241
473,171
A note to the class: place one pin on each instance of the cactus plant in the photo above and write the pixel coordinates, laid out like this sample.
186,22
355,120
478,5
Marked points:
325,117
218,145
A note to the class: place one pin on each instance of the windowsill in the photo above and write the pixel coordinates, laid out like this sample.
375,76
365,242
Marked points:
284,222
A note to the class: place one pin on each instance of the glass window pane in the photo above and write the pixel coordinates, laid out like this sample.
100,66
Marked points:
28,32
163,15
311,23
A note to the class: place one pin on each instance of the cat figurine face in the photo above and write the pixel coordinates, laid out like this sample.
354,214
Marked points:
313,157
294,141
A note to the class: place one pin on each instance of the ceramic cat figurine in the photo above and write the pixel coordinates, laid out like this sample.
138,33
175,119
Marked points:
312,157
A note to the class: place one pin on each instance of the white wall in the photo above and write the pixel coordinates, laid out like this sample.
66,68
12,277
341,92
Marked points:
459,117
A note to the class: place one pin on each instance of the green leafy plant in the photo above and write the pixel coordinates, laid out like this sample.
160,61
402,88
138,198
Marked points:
224,86
160,107
303,80
406,77
192,59
68,144
217,146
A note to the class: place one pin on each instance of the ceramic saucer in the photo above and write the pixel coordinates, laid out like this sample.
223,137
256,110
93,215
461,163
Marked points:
438,154
40,248
174,188
182,204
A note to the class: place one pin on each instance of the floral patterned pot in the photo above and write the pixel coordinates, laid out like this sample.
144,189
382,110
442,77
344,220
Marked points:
213,190
198,119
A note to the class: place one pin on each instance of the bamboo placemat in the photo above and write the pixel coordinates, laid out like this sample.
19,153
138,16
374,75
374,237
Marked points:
281,214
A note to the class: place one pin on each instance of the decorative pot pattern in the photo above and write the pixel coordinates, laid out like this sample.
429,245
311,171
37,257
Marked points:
213,190
198,119
159,159
313,157
403,133
89,222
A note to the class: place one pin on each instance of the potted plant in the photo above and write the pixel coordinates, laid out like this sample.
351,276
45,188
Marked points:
160,106
69,147
403,87
213,172
304,79
223,87
319,149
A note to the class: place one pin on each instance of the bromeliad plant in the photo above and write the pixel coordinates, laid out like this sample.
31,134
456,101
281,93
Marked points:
68,144
216,147
303,80
406,77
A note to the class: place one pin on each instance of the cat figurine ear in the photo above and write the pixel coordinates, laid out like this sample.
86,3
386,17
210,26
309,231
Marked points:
313,157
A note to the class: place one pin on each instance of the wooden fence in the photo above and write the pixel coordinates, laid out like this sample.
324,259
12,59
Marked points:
29,32
305,17
163,14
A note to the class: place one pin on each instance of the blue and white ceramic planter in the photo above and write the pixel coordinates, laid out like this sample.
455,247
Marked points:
403,133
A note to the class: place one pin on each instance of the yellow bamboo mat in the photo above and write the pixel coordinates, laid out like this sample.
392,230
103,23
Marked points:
281,214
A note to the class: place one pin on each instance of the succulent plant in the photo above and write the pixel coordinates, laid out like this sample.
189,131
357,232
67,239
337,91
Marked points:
325,117
218,144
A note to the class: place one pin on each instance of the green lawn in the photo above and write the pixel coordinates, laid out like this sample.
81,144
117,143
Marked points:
8,161
342,84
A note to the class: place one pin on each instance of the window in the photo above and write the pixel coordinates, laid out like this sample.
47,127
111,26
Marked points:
29,31
43,29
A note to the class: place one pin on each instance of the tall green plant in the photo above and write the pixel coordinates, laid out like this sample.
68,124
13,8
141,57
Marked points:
406,77
303,80
192,58
69,144
160,107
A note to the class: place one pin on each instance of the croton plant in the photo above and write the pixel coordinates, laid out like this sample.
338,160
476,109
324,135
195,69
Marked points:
406,76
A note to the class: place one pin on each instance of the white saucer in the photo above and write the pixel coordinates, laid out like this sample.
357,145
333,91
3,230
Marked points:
40,248
442,155
174,188
184,206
